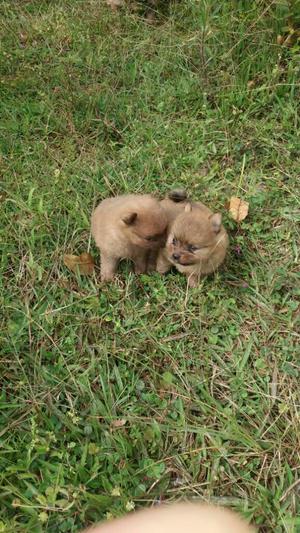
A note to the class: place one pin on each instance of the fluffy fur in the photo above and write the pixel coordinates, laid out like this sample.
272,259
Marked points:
128,226
197,242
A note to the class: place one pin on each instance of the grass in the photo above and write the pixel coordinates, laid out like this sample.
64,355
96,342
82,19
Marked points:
130,394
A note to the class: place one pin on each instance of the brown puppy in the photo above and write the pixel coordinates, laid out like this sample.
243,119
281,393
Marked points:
128,226
196,243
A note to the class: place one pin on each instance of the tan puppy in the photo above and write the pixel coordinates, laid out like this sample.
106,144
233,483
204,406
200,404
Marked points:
128,226
196,243
178,518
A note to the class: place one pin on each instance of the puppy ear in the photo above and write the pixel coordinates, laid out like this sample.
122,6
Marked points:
188,208
129,219
216,221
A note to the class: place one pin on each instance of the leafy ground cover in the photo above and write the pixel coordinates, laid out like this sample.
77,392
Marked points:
121,396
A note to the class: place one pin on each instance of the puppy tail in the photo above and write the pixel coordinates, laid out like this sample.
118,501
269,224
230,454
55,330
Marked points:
178,195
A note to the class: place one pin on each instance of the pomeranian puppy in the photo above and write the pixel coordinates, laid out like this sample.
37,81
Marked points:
128,226
196,243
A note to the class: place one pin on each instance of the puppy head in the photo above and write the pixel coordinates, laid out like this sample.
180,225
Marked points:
193,236
146,227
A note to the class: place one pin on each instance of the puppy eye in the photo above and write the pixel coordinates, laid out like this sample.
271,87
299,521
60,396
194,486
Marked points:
151,238
192,248
174,241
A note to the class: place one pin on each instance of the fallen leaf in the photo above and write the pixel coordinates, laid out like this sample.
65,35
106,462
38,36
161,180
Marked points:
23,37
118,423
84,263
238,208
251,84
280,39
114,4
150,17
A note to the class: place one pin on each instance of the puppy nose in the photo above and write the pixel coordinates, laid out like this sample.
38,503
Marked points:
176,256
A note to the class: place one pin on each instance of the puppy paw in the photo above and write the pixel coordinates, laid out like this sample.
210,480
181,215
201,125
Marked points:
140,270
162,270
162,266
106,278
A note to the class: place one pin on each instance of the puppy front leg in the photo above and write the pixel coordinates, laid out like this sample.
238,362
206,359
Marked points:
140,263
109,265
152,260
163,265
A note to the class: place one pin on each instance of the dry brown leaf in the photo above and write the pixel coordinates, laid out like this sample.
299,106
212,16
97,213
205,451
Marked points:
280,39
251,84
23,37
84,263
150,17
118,423
114,4
238,208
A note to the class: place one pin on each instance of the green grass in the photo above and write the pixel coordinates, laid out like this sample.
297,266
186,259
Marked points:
205,382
